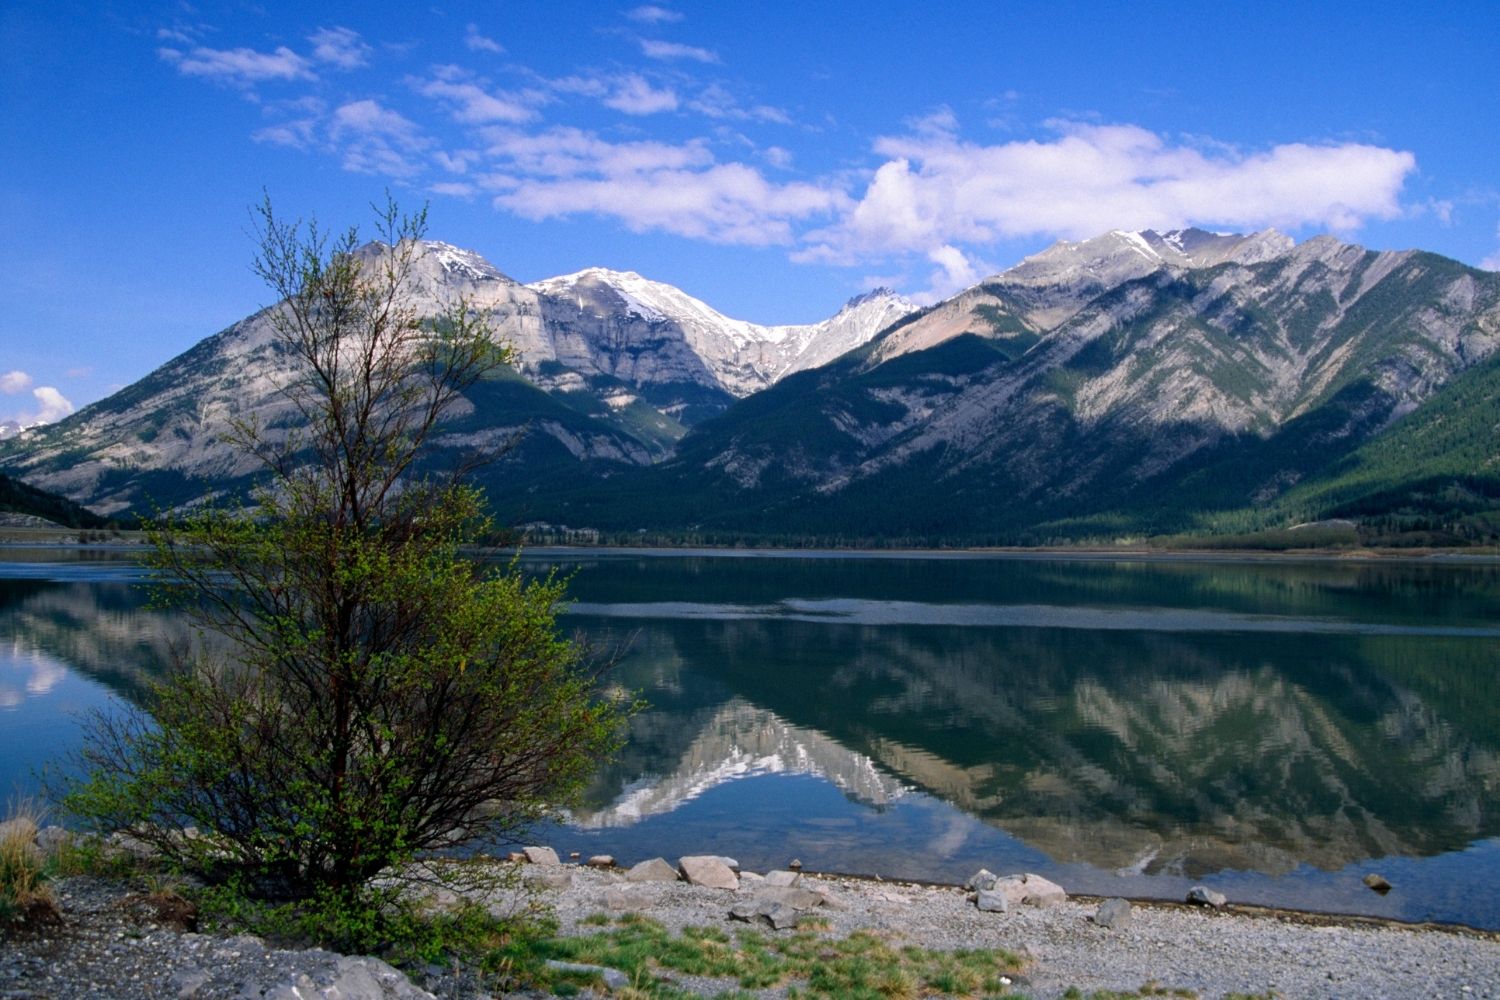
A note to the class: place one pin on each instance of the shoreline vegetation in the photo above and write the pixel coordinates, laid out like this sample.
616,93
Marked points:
1200,548
549,927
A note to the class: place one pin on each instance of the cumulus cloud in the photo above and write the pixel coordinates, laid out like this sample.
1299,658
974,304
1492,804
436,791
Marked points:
634,95
479,42
13,382
935,190
652,14
51,405
677,189
341,47
655,49
240,67
955,272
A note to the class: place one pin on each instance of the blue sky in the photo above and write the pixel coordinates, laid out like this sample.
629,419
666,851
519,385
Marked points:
772,159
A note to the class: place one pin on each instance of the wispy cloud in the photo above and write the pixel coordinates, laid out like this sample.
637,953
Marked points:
240,67
471,104
341,47
374,139
479,42
654,48
652,14
14,381
715,101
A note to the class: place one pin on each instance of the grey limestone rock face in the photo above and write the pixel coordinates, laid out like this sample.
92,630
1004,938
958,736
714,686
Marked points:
783,878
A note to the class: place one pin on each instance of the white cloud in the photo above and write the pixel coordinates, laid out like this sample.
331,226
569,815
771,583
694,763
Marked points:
456,162
634,95
655,49
935,190
955,272
652,14
471,104
53,406
715,101
726,203
570,152
777,156
478,42
1490,263
241,67
297,134
376,140
342,47
13,382
649,186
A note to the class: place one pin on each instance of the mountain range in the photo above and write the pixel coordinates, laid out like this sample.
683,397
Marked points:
1130,384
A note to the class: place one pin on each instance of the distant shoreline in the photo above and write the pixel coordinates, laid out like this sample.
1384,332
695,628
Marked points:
128,541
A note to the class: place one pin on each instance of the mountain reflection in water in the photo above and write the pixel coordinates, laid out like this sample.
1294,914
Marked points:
1150,723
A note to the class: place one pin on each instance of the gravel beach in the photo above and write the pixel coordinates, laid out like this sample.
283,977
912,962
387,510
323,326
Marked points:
113,946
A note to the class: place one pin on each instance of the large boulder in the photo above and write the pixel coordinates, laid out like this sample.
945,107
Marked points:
708,870
654,870
993,901
1201,895
981,880
779,915
1113,913
1028,889
541,855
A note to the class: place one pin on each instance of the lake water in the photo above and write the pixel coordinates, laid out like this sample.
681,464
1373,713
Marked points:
1273,729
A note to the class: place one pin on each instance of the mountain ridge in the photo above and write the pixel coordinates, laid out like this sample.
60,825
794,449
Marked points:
1134,382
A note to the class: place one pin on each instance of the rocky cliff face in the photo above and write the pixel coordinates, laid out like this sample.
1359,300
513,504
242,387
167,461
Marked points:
624,364
1092,371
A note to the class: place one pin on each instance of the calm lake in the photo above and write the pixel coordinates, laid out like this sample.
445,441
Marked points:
1274,729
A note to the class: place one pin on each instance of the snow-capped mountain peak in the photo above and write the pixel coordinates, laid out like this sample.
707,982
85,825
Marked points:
741,356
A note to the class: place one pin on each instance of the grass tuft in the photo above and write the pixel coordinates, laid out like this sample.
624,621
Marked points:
26,900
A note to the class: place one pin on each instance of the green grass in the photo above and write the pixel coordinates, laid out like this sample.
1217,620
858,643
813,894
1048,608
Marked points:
810,964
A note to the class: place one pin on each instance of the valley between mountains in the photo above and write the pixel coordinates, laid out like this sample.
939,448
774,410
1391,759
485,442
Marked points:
1130,385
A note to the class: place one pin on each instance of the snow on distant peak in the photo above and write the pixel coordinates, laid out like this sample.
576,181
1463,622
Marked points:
1138,243
459,262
